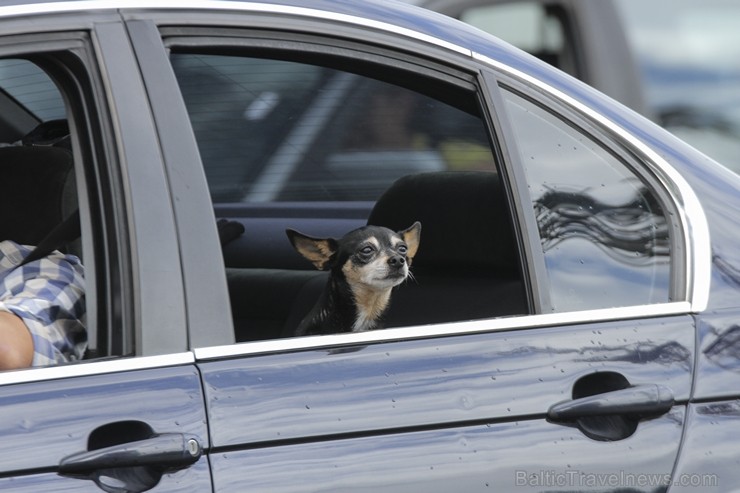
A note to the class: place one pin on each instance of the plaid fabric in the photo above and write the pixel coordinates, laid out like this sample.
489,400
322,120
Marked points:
49,295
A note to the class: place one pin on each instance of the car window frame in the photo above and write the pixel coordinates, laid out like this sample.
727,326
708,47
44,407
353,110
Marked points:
678,282
72,51
67,60
696,259
207,307
238,40
690,278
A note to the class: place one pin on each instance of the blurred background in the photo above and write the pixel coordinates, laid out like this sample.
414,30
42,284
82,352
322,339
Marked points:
675,61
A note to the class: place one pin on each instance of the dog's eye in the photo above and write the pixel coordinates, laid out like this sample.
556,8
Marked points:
402,249
367,250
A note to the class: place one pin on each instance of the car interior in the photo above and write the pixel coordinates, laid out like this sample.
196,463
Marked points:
380,153
466,267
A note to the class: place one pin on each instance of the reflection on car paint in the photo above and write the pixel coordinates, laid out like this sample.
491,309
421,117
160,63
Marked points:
526,455
277,398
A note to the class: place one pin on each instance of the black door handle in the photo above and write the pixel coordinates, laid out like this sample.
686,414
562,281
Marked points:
167,451
636,401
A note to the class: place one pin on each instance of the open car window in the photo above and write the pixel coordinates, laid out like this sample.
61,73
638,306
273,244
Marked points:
38,195
311,147
321,150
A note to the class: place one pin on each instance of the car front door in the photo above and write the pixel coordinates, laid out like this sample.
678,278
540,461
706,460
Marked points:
126,425
129,414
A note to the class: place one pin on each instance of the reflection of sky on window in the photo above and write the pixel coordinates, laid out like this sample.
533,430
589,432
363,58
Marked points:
591,279
560,161
588,267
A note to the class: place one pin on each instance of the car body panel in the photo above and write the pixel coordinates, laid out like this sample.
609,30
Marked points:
52,419
195,478
436,404
435,382
464,405
717,357
529,455
711,428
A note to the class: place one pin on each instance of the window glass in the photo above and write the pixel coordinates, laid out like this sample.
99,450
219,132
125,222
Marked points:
273,130
32,88
604,234
287,145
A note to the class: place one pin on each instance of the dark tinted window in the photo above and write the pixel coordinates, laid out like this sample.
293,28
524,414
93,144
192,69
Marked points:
273,130
32,88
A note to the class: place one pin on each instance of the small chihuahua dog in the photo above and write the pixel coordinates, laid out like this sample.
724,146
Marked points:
364,266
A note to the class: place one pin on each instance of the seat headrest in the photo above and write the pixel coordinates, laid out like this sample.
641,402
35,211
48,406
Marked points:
33,191
464,218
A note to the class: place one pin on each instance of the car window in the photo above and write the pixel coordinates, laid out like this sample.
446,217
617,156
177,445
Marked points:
289,145
274,130
38,194
32,88
604,233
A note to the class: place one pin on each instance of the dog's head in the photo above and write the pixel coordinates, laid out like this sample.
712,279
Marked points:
372,256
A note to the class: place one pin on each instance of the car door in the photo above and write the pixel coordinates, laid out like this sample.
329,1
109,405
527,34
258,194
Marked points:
129,414
581,386
132,424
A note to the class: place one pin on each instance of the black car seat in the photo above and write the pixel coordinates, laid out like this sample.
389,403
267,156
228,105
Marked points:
36,191
467,266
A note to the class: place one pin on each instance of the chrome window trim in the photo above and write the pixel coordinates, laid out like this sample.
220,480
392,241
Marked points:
691,213
77,5
84,369
440,330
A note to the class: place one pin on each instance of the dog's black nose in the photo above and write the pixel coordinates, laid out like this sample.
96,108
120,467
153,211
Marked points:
396,261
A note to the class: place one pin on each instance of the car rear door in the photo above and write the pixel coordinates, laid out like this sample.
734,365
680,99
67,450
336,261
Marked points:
585,399
471,411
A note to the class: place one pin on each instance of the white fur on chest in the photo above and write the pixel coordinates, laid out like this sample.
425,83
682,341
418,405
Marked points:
370,306
364,323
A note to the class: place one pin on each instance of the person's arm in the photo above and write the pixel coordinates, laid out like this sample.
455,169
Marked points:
16,343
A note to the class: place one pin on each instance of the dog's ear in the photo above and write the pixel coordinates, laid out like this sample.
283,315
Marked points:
412,237
318,250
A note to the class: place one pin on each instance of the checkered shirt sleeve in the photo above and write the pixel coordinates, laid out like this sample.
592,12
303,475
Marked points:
49,295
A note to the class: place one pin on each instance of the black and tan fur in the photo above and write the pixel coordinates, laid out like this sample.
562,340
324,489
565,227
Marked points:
364,266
